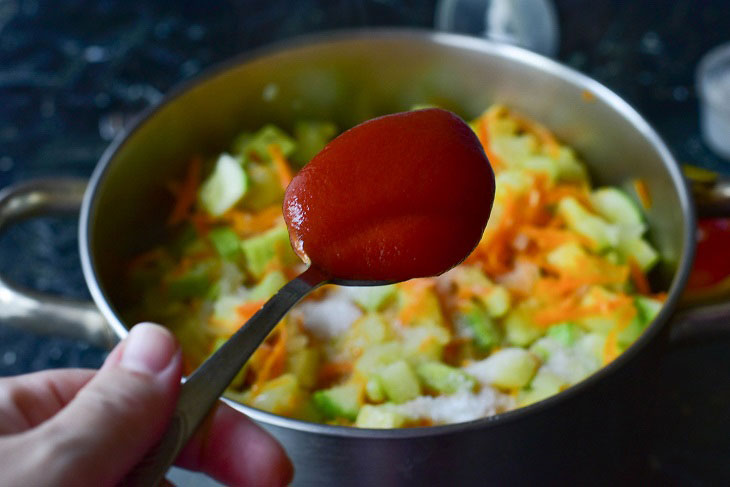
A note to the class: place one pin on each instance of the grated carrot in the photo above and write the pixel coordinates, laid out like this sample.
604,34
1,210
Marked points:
247,310
246,223
642,191
274,363
638,276
186,193
282,167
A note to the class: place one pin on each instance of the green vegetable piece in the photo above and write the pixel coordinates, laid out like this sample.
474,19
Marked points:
379,417
257,146
303,364
443,378
616,206
374,391
268,286
194,283
641,251
497,301
648,308
311,137
372,298
399,382
264,186
376,357
508,368
543,385
519,328
367,330
602,234
281,395
342,401
225,186
476,319
261,249
226,242
565,333
424,342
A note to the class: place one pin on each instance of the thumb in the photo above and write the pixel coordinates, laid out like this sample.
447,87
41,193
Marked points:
120,414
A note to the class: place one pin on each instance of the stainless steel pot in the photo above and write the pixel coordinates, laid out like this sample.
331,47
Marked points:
348,77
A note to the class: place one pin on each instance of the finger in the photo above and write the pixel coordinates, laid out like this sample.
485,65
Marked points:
28,400
118,416
235,451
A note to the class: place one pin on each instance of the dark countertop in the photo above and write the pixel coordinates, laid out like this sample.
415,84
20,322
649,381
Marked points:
73,72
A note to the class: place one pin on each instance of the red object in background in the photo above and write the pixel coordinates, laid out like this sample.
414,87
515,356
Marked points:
712,261
400,196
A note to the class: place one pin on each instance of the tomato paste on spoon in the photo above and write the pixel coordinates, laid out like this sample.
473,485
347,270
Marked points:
397,197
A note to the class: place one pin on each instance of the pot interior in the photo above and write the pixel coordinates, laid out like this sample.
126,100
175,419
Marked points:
352,77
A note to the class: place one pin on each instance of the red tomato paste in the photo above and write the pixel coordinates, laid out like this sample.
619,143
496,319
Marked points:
400,196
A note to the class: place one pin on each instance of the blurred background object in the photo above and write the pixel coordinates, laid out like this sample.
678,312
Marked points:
531,24
74,72
713,89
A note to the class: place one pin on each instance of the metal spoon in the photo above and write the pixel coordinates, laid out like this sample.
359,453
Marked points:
203,388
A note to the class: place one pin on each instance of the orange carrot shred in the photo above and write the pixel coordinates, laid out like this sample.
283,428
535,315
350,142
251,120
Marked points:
282,167
642,191
638,276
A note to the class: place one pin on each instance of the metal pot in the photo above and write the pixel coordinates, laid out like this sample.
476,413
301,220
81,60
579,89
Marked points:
579,434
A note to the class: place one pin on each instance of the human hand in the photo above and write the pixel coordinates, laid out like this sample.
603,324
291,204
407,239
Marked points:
83,427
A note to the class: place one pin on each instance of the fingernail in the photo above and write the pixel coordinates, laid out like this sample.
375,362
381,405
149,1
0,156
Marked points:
148,349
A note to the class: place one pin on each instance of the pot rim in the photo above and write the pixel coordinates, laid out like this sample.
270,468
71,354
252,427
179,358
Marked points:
426,36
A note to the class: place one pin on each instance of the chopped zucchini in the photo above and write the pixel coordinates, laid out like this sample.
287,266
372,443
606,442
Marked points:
519,328
497,301
424,342
225,186
443,378
475,319
379,417
602,234
303,364
374,390
543,385
509,368
260,250
376,357
267,286
341,401
641,251
281,395
399,382
256,146
616,206
226,242
367,330
311,137
193,283
372,298
264,187
565,333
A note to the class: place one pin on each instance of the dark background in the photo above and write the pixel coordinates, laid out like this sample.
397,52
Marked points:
73,72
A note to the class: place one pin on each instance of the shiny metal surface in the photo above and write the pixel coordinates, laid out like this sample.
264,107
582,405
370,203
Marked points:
41,313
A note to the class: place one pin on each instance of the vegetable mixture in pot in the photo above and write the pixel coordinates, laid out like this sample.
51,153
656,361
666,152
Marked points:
555,289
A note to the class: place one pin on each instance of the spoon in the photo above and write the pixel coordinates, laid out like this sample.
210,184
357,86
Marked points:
397,197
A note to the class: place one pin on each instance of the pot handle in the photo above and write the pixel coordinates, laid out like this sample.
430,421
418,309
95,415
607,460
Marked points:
37,312
700,320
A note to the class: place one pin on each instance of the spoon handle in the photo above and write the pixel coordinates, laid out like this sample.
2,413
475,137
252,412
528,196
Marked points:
203,388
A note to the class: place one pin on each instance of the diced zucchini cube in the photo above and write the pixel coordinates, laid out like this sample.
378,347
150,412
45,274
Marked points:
343,401
443,378
225,186
509,368
399,382
601,233
379,417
